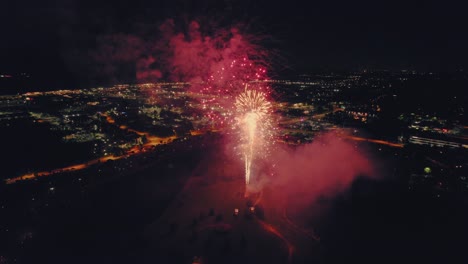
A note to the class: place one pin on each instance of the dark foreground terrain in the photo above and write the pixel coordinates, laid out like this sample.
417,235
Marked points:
178,204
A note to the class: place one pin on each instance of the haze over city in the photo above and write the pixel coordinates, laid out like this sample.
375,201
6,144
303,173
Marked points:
233,132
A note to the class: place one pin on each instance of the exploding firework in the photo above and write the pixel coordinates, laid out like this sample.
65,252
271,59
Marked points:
253,111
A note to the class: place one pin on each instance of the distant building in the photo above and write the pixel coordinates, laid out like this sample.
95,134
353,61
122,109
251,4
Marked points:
436,142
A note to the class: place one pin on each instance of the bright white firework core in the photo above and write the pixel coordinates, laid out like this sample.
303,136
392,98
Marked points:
253,109
251,124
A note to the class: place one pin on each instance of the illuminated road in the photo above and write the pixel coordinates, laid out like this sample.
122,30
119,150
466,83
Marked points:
152,141
340,133
297,228
347,136
273,230
294,237
376,141
302,119
290,234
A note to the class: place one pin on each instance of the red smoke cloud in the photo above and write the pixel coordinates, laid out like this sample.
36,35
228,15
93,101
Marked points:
220,58
325,167
214,60
116,54
144,71
218,62
199,57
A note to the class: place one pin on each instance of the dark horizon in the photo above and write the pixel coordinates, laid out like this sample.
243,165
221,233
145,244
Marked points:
54,40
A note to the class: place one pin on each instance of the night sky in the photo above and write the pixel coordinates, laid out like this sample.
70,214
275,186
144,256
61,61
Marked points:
53,38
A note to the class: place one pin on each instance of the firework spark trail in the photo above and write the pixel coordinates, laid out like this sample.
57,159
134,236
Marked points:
253,108
251,122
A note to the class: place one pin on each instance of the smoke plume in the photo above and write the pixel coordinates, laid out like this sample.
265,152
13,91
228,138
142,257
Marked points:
325,167
219,57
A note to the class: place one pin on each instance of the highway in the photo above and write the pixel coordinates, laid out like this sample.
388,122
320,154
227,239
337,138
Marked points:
376,141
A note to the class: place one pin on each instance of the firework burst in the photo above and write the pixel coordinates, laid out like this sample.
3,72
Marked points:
254,118
252,101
